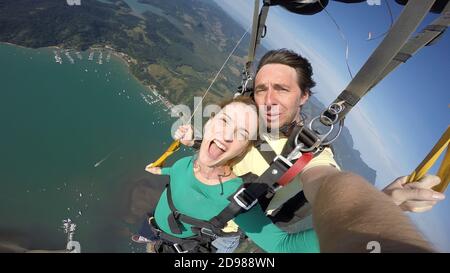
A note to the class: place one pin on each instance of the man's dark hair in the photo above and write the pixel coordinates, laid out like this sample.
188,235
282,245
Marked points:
288,57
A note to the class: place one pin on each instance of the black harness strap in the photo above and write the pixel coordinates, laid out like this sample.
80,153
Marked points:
249,193
297,201
254,189
172,244
234,208
172,219
287,213
199,226
268,155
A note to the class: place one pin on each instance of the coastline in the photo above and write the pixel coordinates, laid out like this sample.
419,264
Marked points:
24,47
73,126
127,60
123,57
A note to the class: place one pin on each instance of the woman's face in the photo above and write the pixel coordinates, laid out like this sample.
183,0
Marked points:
228,133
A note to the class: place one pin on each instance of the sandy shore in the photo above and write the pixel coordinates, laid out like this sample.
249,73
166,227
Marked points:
123,57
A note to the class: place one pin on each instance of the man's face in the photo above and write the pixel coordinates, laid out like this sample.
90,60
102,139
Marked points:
278,95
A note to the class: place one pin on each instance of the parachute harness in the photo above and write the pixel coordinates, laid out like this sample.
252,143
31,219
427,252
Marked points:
396,48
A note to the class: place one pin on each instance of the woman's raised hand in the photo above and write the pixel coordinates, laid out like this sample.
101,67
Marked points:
185,134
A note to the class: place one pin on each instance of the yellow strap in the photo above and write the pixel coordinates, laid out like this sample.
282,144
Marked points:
431,158
444,173
172,148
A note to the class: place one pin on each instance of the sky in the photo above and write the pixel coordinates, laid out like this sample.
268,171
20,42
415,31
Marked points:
399,121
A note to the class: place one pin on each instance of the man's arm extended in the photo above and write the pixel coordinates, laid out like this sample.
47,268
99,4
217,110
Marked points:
348,213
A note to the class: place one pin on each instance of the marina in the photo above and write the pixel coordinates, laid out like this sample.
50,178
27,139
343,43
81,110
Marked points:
71,60
75,176
100,58
152,96
58,58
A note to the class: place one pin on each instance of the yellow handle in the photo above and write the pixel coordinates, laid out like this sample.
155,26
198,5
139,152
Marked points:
172,148
444,173
430,159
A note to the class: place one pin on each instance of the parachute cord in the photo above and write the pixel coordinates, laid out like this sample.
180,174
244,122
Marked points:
343,38
221,184
218,73
220,179
392,22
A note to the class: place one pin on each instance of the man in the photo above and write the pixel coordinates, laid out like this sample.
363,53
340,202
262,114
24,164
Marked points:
282,86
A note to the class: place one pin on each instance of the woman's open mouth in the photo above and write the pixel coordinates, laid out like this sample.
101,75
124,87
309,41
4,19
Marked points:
216,149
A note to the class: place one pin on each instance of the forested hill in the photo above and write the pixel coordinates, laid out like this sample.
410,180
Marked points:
178,45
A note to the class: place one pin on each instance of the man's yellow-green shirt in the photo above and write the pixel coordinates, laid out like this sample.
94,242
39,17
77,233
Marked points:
255,163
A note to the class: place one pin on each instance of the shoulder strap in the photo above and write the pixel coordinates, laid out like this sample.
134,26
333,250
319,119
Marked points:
255,189
428,36
377,66
172,219
268,155
211,228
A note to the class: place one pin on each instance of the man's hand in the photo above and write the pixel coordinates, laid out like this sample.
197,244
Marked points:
185,134
416,196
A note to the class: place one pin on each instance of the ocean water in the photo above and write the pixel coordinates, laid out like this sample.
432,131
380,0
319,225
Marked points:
74,141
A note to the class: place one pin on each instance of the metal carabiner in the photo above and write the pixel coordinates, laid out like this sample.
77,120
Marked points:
331,115
321,139
341,125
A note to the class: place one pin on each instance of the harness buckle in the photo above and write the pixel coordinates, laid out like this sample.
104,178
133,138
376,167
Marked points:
179,249
313,136
283,159
242,201
208,232
310,139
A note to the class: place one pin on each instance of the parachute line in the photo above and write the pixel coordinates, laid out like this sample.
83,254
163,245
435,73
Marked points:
392,22
347,48
220,70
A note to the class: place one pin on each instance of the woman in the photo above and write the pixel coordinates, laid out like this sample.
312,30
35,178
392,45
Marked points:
201,185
